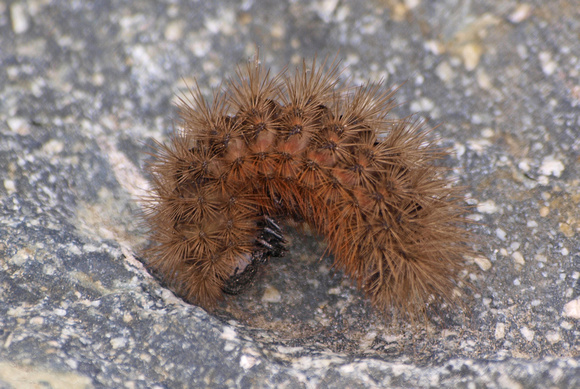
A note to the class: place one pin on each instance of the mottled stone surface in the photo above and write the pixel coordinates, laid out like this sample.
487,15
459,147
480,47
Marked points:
85,86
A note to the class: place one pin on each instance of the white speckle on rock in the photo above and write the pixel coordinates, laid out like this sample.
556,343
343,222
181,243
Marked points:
289,350
144,60
553,336
21,257
74,249
19,18
506,382
174,31
521,13
434,47
471,54
518,258
323,269
487,132
224,23
334,291
556,374
230,346
90,248
49,270
419,79
400,369
53,146
229,334
129,384
483,263
271,295
551,166
118,342
10,186
410,4
459,149
483,79
19,125
200,47
546,195
325,9
444,72
423,104
347,369
524,165
500,331
547,63
247,362
527,333
572,309
37,321
277,31
500,233
488,206
479,145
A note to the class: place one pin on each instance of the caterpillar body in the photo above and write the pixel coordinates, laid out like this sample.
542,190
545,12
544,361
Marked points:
305,147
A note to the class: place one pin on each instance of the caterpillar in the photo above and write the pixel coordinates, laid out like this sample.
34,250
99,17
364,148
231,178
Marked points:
310,148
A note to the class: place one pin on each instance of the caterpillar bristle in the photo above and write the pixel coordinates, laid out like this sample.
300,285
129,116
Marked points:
304,147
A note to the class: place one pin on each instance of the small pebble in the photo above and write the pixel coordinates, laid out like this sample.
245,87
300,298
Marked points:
521,13
19,18
487,207
572,309
271,295
518,258
552,166
483,263
527,333
499,331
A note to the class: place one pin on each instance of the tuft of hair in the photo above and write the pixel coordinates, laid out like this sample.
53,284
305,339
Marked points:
305,147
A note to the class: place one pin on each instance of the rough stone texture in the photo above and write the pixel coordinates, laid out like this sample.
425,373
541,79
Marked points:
85,86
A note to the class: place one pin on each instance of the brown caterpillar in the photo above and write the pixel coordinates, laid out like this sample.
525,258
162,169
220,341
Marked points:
303,147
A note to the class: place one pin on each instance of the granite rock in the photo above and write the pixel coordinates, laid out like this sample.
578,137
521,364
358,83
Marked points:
86,86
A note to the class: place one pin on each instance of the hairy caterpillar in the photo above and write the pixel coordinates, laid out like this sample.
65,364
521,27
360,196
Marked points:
303,147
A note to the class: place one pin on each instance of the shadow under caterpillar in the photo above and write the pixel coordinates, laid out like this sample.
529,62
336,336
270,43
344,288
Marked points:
304,147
